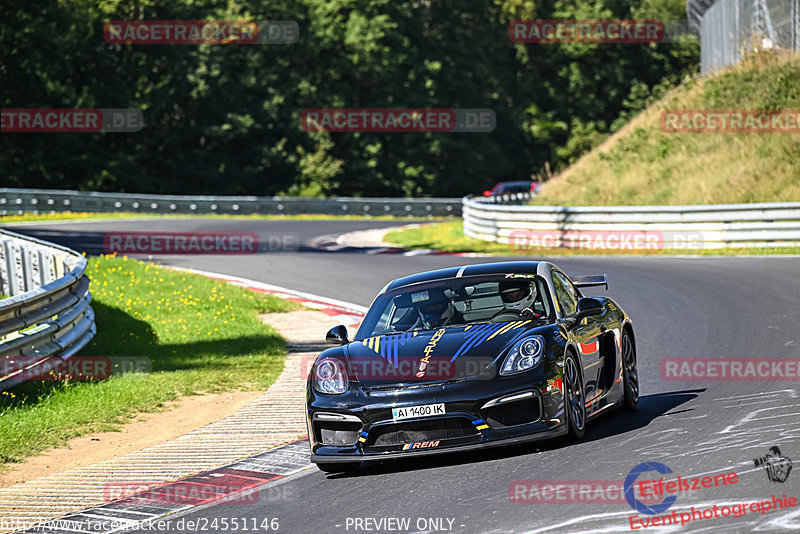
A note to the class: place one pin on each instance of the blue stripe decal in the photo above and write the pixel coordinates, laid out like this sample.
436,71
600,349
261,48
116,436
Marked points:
477,339
485,332
388,346
477,422
477,333
364,434
470,338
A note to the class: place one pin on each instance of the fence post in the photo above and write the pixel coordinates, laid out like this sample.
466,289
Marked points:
729,29
28,281
10,264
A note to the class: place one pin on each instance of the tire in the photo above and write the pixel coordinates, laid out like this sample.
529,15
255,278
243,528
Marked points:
341,467
630,375
574,399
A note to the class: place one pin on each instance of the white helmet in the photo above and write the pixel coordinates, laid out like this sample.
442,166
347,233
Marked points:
517,295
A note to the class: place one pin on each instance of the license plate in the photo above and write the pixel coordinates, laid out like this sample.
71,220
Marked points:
418,411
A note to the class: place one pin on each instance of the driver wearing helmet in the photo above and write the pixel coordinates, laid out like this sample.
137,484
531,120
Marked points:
437,310
519,296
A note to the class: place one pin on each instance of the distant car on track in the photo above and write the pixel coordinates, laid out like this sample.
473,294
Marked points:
504,188
470,357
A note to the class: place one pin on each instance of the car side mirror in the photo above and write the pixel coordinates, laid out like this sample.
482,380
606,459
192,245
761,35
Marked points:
337,336
587,306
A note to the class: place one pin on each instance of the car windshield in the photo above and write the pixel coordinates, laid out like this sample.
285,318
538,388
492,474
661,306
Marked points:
458,301
514,187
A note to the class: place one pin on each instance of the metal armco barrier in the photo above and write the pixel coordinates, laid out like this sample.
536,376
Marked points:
13,201
45,313
769,225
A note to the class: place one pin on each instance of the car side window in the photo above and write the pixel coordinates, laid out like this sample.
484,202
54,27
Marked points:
542,305
565,294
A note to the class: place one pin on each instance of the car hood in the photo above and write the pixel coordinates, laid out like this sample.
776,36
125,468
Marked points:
453,353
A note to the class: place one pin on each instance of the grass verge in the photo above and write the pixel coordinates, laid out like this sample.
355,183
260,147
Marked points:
202,336
644,165
449,237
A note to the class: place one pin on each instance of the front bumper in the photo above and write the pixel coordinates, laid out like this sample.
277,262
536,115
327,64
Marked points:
358,425
318,458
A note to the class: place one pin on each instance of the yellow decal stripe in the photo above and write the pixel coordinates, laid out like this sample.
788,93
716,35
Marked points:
374,343
482,427
502,330
510,326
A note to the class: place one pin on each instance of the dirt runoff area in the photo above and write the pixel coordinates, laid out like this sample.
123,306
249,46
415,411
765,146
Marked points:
184,415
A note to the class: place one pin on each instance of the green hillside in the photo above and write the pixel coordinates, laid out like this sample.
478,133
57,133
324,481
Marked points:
642,164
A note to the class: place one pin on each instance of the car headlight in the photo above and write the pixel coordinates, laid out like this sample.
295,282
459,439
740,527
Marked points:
330,376
525,354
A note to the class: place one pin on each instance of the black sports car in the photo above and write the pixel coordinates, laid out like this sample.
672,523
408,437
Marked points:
470,357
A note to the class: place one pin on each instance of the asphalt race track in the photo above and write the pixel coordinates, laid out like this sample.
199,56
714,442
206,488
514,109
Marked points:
682,307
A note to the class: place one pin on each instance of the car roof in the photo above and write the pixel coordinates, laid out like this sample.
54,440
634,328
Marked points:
523,182
501,267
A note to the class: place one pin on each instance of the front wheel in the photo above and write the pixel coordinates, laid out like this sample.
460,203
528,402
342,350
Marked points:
630,375
574,404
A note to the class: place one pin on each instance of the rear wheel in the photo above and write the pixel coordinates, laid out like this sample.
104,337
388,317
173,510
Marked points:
630,376
574,405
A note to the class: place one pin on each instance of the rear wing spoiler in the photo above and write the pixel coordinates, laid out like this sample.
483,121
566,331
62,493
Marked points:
590,281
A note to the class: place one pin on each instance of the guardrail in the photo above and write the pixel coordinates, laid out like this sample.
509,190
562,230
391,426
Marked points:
45,313
768,225
14,201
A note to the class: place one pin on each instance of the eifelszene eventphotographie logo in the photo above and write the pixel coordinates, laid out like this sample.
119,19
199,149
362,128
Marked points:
636,504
